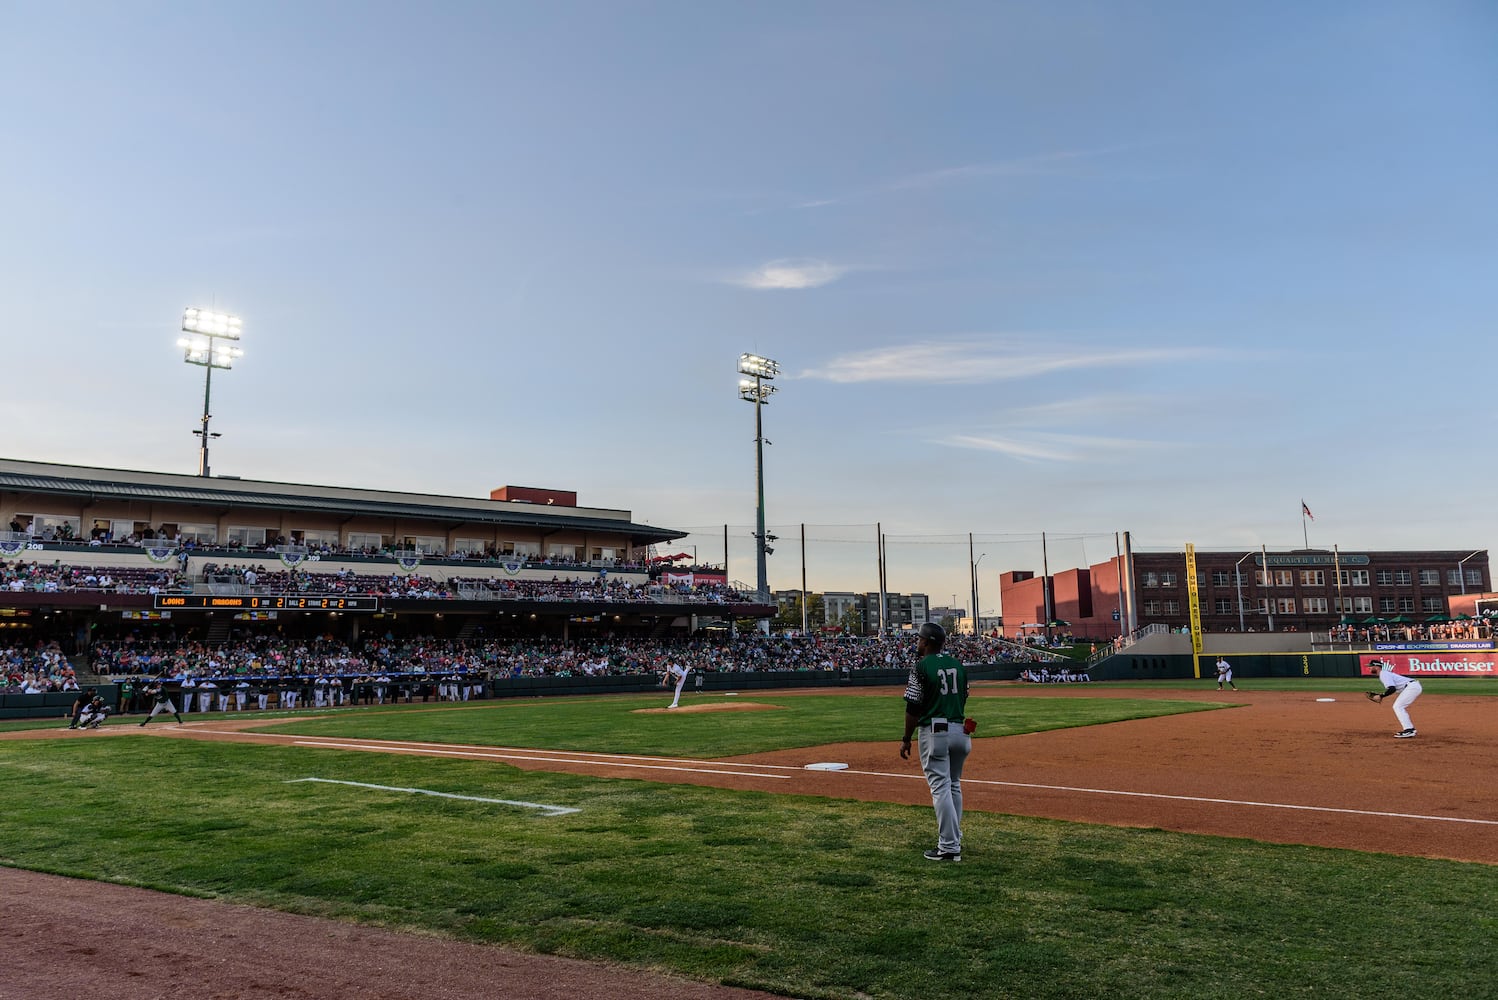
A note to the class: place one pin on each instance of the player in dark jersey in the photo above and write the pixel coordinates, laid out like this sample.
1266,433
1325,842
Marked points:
935,703
161,701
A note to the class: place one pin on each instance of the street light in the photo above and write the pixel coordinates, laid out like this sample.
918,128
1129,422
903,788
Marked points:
1461,574
757,390
203,348
1238,579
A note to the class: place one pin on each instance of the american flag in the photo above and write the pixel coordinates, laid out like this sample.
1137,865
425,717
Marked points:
1306,510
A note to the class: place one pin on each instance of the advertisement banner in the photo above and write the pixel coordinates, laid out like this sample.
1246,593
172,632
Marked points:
1435,664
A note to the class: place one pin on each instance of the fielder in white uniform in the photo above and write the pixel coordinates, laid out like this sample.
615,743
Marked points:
680,673
1407,689
1225,674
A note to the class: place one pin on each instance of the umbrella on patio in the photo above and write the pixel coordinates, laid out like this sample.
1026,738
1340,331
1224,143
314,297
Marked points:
1373,620
1350,620
1437,620
1401,620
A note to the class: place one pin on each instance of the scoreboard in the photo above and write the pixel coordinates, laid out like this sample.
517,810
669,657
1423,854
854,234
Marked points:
289,602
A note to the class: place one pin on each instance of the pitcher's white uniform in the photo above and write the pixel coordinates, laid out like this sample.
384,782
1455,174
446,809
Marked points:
680,672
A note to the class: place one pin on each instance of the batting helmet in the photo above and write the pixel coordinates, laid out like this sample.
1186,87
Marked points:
934,633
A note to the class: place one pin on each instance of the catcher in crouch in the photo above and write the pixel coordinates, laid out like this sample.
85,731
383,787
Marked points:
1407,689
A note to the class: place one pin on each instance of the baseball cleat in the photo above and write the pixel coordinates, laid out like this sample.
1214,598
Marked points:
1406,734
941,856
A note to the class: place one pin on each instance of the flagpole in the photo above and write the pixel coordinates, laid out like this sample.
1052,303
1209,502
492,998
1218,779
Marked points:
1305,537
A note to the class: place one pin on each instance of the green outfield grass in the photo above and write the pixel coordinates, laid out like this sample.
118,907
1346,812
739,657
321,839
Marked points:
803,896
616,724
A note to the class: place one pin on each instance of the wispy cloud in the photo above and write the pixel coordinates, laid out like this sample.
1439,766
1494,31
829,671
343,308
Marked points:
1052,447
990,359
1040,163
791,273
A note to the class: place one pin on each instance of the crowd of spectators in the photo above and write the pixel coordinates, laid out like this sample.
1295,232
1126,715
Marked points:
1469,629
35,669
273,655
36,576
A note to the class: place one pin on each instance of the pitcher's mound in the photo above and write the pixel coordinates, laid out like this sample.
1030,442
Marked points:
713,706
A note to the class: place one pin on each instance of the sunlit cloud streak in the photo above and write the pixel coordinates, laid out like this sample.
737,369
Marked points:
788,273
989,360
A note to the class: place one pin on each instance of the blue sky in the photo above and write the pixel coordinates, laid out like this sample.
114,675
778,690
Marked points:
1067,267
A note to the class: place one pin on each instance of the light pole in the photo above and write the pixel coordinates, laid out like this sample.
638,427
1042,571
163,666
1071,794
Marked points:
204,349
757,390
1238,579
974,564
1461,574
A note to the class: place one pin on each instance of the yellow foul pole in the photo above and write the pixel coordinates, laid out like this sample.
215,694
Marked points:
1196,611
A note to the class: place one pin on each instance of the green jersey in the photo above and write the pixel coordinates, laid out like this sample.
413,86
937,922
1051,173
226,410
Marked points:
937,688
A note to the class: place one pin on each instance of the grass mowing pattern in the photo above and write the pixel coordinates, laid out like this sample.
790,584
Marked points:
806,897
614,724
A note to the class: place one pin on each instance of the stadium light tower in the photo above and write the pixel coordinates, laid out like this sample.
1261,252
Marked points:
203,347
755,388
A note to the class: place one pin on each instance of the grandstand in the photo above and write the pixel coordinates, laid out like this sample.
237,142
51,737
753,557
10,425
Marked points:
94,553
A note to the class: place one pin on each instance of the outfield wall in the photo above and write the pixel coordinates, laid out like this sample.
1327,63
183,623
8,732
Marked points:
1180,666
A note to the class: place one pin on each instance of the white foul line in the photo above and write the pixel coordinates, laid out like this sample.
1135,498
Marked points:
605,760
1192,798
549,810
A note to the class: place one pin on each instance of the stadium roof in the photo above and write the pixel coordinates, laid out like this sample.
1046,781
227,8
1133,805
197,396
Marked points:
97,485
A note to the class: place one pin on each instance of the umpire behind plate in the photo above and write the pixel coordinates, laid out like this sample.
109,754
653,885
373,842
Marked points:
935,700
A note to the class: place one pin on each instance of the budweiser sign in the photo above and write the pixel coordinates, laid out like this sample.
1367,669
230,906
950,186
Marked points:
1441,664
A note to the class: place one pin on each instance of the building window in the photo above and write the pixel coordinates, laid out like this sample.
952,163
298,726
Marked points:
1285,605
1406,605
1152,609
1313,605
1312,578
1151,579
365,541
1167,579
570,553
1403,578
1283,578
316,539
1430,578
1474,577
1386,605
1172,607
1222,606
1353,577
427,545
1221,578
250,538
1385,578
1432,605
469,546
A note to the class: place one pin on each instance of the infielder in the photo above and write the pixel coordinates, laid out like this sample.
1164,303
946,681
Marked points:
935,700
1408,690
1225,674
680,673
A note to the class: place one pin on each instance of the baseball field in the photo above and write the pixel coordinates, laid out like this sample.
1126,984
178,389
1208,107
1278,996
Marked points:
1131,840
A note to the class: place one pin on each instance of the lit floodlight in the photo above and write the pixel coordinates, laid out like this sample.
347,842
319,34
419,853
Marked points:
751,391
208,352
207,348
758,367
210,323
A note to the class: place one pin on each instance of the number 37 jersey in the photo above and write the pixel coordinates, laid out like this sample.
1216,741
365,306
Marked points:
937,688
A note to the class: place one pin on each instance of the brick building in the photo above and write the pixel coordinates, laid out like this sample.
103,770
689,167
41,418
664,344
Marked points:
1302,590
